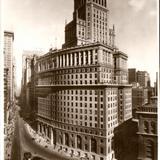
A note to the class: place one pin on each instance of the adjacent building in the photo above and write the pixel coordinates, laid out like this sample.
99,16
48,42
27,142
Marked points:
143,78
82,91
132,75
8,73
147,134
139,97
28,83
6,95
8,60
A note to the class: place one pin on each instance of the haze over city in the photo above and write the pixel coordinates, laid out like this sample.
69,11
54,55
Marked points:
38,24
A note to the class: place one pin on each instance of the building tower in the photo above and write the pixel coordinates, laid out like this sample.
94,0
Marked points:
89,24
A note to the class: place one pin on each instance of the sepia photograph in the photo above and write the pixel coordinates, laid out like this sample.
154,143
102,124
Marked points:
79,79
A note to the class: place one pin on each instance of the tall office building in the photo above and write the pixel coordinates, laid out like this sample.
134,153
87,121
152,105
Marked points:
143,78
8,60
132,75
27,84
8,74
82,92
6,96
89,24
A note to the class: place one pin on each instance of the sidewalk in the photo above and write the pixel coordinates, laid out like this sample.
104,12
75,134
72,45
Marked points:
44,142
8,137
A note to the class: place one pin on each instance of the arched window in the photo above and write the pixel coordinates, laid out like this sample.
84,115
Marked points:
66,139
93,145
79,142
54,137
153,127
150,150
146,126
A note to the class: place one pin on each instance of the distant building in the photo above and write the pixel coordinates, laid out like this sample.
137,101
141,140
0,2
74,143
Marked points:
143,78
139,97
8,60
147,134
6,95
156,85
132,75
8,74
28,82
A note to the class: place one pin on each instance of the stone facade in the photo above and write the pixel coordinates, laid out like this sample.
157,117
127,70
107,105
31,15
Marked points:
81,97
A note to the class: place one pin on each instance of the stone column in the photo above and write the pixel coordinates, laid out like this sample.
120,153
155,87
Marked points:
89,144
93,56
57,61
67,59
51,133
100,56
38,130
75,59
75,140
64,60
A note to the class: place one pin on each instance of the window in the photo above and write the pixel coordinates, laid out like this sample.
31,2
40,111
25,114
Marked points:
93,145
146,126
102,150
153,127
79,142
150,150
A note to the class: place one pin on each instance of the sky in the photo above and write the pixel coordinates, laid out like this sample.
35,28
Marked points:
39,25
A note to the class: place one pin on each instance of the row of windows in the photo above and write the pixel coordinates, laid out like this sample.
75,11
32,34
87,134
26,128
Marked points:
81,92
101,2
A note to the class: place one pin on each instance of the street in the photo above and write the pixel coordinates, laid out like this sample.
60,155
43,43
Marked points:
23,143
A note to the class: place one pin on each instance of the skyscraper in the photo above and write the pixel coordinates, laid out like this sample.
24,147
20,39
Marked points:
89,24
8,60
82,90
143,78
132,75
8,73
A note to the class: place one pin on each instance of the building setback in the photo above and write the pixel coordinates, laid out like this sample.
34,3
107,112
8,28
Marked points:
82,91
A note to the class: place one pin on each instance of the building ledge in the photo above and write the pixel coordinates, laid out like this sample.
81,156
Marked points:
147,134
85,85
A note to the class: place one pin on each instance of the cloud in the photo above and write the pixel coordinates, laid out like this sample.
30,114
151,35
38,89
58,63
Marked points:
137,5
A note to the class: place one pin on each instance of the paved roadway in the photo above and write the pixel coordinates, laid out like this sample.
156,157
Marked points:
23,143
